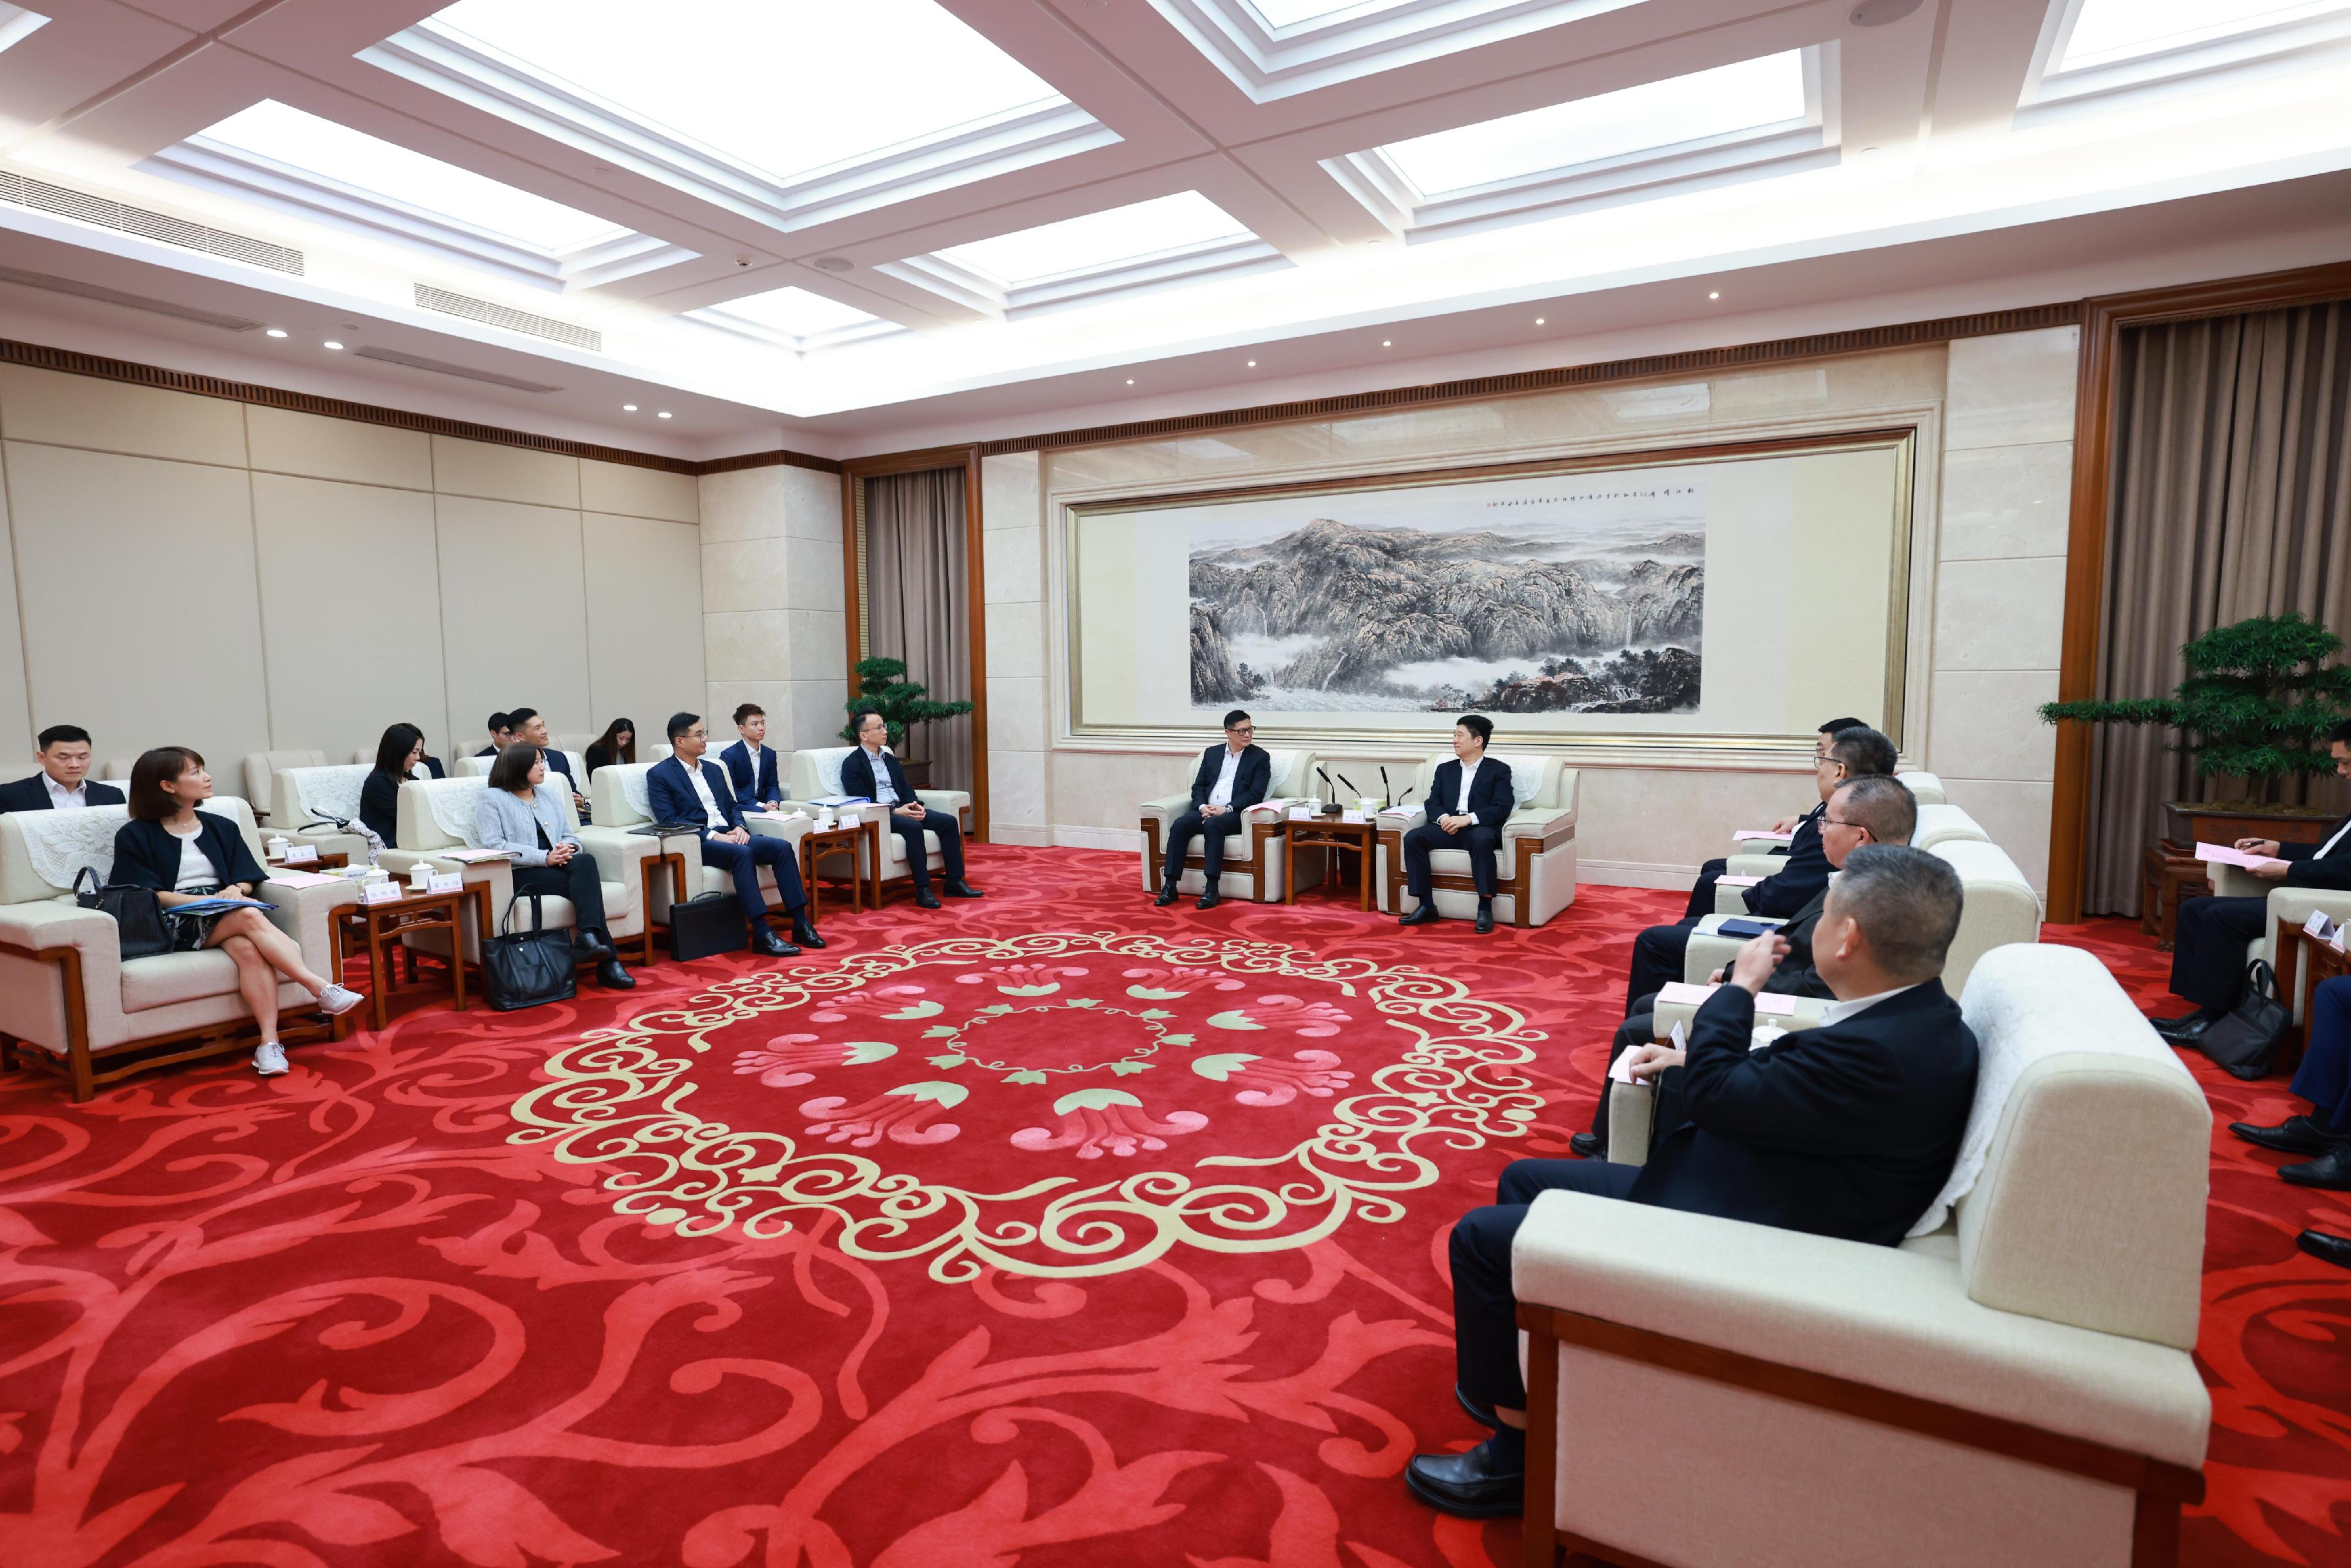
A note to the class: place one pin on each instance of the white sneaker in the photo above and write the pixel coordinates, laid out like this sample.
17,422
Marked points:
336,1000
269,1058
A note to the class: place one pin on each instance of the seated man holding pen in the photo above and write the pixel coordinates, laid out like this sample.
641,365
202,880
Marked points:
1848,1129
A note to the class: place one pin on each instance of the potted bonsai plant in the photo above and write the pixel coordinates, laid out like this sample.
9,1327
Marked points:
904,705
2258,696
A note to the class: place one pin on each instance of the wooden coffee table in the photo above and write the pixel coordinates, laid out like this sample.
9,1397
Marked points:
1336,836
865,870
379,926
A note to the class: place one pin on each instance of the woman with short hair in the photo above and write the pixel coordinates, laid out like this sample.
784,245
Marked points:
186,856
517,816
399,758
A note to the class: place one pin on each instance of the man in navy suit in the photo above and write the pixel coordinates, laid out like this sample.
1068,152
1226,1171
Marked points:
1701,900
1847,1130
1231,778
1467,805
1850,753
750,762
873,772
64,780
685,788
529,728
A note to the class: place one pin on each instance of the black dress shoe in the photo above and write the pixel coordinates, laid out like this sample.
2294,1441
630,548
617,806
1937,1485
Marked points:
2294,1135
1481,1413
2182,1030
613,978
1424,916
772,945
2331,1170
958,888
1587,1146
1166,897
1210,899
924,899
1485,917
2334,1250
591,945
804,934
1467,1484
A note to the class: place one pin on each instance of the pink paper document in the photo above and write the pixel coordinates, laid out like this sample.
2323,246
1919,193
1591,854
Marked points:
1621,1070
2223,854
1737,881
475,857
300,879
1681,993
1754,835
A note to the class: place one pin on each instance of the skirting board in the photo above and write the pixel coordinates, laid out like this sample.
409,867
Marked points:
1129,841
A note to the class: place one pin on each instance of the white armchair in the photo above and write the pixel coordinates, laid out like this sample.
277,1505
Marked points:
816,775
1535,869
1937,823
302,800
619,796
1251,868
436,816
1925,788
261,769
68,995
2016,1386
2294,905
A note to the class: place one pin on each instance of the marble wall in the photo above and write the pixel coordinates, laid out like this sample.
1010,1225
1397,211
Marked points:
775,619
1992,481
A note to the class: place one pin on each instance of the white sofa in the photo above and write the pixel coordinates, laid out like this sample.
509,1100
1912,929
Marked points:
1936,824
816,775
67,992
1534,869
619,798
262,766
1251,868
2015,1386
301,800
436,815
1925,787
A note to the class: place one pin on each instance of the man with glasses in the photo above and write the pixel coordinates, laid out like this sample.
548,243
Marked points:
1851,754
1701,902
1231,778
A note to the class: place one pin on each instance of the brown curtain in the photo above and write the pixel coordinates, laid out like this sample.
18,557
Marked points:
2230,497
918,603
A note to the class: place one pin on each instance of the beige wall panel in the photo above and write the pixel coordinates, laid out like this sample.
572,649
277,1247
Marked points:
741,504
15,709
164,553
284,442
645,618
332,685
813,504
514,620
114,416
504,472
635,492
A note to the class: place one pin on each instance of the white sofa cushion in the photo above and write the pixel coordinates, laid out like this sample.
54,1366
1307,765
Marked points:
168,978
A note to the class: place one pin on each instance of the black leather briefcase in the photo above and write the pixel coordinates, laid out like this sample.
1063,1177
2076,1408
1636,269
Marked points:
710,924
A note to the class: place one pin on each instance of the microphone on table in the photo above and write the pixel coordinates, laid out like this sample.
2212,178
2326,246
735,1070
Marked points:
1387,791
1350,783
1326,779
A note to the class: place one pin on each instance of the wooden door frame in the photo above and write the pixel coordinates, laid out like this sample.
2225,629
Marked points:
853,475
2103,320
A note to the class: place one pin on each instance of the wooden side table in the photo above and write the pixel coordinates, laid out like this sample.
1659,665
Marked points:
1337,836
381,925
2300,955
2164,880
864,868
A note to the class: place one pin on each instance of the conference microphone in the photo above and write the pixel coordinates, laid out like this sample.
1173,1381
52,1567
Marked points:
1326,780
1350,783
1387,791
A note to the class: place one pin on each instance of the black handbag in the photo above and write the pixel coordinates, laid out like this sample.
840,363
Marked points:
2246,1041
525,968
138,913
712,922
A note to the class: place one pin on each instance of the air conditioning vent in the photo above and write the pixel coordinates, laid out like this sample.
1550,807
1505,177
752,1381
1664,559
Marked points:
513,321
444,368
22,191
74,285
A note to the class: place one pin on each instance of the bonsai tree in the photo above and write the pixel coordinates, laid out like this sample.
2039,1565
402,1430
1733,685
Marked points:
903,704
2258,696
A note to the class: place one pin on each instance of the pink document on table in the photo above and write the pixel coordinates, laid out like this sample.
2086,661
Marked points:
1753,835
1681,993
2223,854
300,879
475,857
1737,881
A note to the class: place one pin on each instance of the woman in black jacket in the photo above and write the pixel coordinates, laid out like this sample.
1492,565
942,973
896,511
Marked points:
617,744
399,758
188,856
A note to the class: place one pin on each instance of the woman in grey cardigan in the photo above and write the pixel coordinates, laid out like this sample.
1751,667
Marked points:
516,815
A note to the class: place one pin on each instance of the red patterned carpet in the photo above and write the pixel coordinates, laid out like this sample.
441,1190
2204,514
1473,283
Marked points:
1048,1231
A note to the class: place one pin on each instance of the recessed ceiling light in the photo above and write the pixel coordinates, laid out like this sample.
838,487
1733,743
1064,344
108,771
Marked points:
833,263
276,333
1385,343
628,408
1129,380
1252,364
663,415
332,344
1716,295
1538,321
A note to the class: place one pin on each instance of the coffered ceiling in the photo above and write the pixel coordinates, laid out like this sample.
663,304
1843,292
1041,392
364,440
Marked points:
842,219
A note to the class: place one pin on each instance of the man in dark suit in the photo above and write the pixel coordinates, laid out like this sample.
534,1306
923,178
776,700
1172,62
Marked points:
2210,937
1849,1130
1701,900
502,735
684,787
64,780
1468,803
1230,779
750,762
528,728
1851,754
1874,809
873,772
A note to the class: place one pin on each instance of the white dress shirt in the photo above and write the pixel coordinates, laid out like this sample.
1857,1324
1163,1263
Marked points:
882,790
1837,1013
1222,795
60,797
718,822
2324,850
1469,776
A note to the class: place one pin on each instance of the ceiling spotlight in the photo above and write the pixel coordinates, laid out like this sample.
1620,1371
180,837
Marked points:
1716,295
1538,321
833,263
663,415
1877,13
628,408
1252,364
1385,343
332,344
276,333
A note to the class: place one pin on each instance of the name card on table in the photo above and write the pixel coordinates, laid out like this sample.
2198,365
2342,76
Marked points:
1300,814
2319,925
447,882
2226,854
298,854
1355,817
385,892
